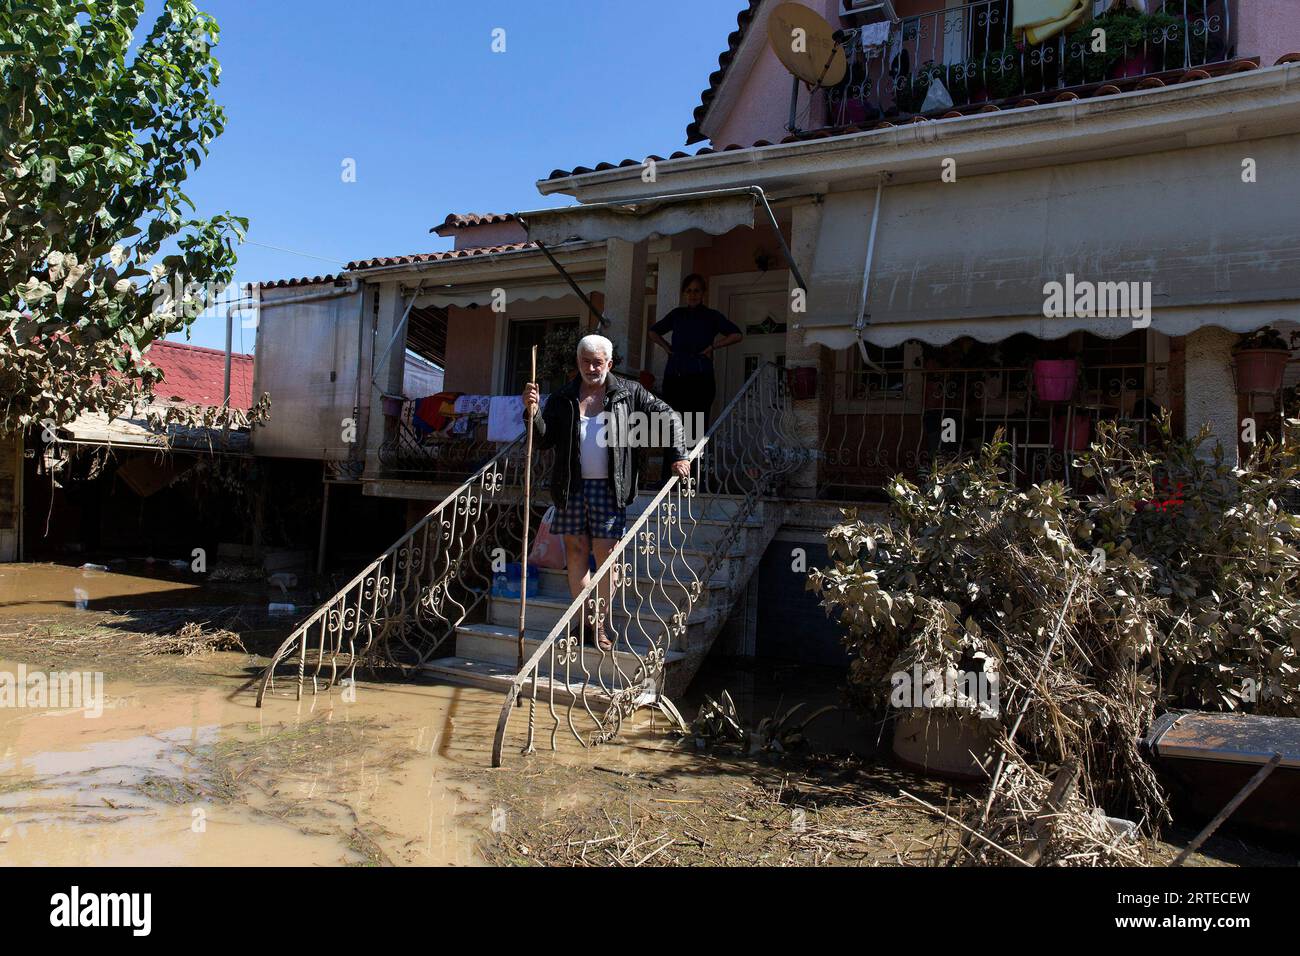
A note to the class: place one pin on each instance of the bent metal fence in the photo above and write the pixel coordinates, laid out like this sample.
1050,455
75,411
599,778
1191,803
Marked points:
644,594
402,607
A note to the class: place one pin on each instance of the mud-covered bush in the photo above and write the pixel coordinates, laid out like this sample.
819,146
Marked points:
1182,578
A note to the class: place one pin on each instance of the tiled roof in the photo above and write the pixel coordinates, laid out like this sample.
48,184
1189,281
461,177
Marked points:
469,219
195,374
1109,88
304,280
418,258
737,37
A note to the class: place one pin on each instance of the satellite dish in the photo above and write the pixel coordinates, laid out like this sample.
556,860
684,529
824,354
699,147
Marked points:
805,44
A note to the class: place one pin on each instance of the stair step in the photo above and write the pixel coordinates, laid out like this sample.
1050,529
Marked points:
497,677
544,610
557,582
500,644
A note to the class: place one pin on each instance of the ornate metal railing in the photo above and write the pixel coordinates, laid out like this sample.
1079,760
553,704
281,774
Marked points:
644,594
401,608
412,450
967,55
878,424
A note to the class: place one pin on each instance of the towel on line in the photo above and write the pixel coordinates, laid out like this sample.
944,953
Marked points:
473,404
1039,20
506,417
875,34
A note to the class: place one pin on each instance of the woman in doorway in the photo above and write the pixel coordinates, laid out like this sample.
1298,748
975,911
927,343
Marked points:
689,385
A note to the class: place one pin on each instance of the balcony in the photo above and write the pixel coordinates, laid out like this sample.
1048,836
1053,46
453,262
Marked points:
414,450
899,419
967,57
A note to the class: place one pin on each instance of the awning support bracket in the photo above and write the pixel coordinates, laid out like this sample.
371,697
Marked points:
861,323
577,289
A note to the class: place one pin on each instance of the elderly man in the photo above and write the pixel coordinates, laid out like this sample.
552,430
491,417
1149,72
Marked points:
592,424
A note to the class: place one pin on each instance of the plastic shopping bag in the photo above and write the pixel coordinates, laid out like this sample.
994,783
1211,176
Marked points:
548,549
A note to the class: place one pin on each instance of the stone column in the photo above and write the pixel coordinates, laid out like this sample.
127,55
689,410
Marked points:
674,267
808,414
1211,393
625,276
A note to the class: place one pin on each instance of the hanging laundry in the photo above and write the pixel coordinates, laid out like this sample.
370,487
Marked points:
473,404
434,413
1039,20
874,35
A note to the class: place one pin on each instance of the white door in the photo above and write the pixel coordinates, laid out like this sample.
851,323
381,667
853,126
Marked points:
761,317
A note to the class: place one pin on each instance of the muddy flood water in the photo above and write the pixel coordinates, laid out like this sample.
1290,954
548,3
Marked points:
171,766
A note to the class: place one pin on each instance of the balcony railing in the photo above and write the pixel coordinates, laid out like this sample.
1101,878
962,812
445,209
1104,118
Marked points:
414,451
879,424
898,421
967,56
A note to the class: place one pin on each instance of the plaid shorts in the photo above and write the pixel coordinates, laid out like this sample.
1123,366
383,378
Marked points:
593,511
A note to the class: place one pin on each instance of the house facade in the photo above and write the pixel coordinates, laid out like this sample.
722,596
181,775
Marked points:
972,197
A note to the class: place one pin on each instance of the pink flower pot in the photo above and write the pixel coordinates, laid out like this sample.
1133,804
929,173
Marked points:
392,407
1071,439
1055,379
1261,370
1138,63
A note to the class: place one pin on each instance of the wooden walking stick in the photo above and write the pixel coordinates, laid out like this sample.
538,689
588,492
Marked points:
528,508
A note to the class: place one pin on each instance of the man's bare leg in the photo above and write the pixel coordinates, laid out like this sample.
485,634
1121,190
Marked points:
577,551
602,547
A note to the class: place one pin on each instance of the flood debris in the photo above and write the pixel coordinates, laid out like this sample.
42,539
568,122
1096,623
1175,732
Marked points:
719,723
194,639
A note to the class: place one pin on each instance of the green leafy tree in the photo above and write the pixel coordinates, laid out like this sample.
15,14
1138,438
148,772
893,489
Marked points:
97,138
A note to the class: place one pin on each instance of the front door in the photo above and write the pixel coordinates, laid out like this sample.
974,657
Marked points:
761,317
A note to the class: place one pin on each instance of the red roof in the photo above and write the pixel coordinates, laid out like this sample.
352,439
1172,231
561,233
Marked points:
418,258
196,375
470,219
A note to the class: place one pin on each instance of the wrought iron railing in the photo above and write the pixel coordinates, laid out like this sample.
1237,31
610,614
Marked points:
878,424
402,608
644,594
967,55
411,449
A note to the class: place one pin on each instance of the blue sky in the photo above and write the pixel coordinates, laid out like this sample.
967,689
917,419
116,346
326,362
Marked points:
435,120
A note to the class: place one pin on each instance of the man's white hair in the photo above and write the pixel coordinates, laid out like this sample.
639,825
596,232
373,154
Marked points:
596,345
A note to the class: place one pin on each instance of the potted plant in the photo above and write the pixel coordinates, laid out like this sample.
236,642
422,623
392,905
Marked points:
1056,379
1261,360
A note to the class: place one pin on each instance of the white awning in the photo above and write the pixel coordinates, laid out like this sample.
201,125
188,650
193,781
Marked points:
975,257
463,296
714,212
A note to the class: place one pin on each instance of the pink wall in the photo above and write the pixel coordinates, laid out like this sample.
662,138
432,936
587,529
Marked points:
1267,29
469,350
763,108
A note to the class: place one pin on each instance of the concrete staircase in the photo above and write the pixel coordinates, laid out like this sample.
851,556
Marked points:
486,653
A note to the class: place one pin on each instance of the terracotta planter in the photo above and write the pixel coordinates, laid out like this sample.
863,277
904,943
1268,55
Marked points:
1261,370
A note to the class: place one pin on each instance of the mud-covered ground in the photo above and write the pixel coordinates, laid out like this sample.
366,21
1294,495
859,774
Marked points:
180,767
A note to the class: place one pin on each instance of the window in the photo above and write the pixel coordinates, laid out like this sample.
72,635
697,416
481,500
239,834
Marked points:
522,336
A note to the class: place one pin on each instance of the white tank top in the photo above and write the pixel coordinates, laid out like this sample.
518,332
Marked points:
595,459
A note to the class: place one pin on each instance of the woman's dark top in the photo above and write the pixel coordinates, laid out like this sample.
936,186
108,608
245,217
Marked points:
693,331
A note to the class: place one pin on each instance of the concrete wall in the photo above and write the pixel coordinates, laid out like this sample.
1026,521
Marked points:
306,361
